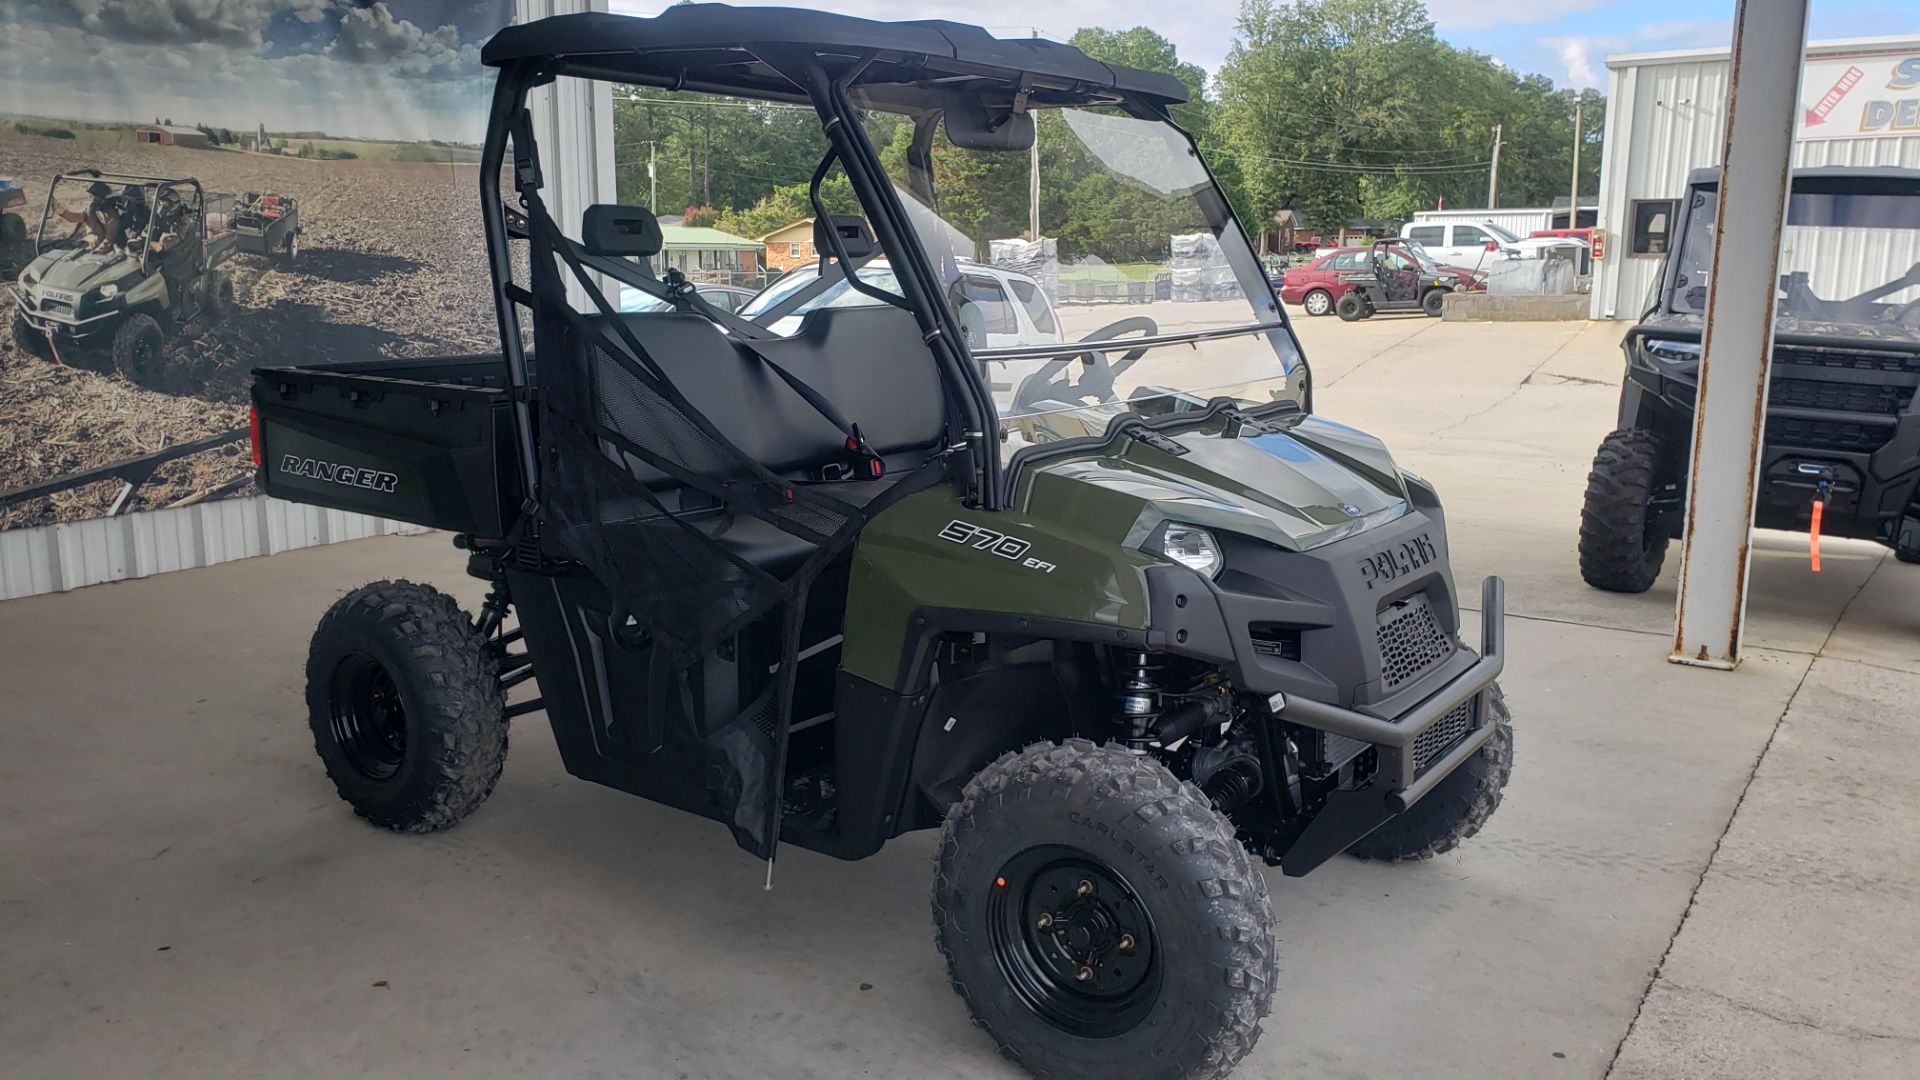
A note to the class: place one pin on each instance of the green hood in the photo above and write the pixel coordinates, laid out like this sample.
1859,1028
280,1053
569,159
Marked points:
1301,483
79,271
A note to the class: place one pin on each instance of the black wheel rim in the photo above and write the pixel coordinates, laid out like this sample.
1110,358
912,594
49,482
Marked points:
369,723
1074,941
143,353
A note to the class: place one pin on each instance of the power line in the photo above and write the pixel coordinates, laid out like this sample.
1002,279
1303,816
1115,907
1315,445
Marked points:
1349,167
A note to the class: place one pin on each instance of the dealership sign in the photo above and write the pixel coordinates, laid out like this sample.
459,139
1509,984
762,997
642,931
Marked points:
1860,96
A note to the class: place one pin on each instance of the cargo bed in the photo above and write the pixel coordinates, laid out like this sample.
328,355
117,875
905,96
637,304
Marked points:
430,442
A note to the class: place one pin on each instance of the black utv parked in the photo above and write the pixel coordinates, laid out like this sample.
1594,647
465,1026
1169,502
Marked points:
1109,607
1841,429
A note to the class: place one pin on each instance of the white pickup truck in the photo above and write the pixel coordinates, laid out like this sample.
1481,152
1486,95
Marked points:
1477,244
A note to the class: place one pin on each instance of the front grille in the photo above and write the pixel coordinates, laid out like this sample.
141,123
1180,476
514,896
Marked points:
1834,358
1411,640
1839,396
55,307
1843,435
1434,742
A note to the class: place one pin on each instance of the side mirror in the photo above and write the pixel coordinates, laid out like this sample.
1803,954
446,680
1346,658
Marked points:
621,231
972,126
855,239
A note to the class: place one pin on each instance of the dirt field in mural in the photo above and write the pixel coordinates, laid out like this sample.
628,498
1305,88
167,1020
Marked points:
392,264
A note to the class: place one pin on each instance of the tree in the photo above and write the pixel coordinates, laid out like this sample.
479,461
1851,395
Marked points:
1353,108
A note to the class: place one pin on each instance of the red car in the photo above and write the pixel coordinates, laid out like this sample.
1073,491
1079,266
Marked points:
1318,285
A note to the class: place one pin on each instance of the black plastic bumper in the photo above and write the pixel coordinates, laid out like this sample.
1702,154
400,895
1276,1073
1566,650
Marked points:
1395,738
1349,815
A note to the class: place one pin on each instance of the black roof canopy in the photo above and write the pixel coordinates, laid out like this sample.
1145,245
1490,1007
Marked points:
713,47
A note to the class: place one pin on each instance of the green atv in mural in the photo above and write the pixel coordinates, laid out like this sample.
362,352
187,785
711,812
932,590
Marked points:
1109,607
137,264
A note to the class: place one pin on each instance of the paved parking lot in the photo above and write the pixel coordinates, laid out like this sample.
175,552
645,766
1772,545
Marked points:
1695,874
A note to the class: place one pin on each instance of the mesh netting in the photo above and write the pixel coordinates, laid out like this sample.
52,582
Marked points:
644,491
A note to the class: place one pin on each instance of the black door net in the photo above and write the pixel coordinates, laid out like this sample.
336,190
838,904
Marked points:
647,493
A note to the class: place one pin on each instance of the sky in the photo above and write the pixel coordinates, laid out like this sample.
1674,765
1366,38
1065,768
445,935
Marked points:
1567,40
383,69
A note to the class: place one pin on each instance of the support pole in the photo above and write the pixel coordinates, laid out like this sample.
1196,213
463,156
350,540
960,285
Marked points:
1769,39
1573,200
1493,174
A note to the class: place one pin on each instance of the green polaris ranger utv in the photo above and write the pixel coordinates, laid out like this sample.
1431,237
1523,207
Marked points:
143,257
1105,603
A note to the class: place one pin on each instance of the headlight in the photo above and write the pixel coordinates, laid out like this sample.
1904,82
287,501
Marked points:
1191,547
1672,352
27,277
109,291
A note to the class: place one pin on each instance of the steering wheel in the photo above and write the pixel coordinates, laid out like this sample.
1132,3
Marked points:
1098,374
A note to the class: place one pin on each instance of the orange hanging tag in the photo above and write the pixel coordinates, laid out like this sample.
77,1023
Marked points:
1813,540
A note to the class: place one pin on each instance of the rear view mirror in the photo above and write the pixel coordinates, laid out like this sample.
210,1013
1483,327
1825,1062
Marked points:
621,230
973,126
856,242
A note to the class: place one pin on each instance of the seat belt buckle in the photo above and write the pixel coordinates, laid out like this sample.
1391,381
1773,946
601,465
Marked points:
865,464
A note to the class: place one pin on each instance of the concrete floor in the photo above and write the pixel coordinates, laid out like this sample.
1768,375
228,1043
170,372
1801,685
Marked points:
1695,874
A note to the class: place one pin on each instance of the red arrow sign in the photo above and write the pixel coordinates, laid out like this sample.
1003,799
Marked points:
1818,114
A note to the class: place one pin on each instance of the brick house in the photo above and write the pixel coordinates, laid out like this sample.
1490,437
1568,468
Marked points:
790,245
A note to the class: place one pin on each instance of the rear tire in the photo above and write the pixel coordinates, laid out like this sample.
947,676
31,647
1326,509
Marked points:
404,700
1117,847
1618,552
1317,303
28,340
220,298
1454,810
1434,302
1350,307
290,251
139,349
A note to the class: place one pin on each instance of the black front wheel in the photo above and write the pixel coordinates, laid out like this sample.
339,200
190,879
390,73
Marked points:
1434,302
139,347
1100,919
1622,547
403,697
29,340
1457,807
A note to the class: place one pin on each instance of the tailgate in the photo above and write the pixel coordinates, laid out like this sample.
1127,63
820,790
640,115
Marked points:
402,445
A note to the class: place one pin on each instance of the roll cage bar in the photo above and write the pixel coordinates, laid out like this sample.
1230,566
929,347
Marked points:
818,61
155,183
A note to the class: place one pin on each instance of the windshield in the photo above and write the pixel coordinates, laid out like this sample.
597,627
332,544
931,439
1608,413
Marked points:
838,295
1505,236
1420,257
1134,242
1847,259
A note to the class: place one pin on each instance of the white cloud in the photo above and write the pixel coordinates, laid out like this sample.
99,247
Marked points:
1582,58
226,87
230,22
374,35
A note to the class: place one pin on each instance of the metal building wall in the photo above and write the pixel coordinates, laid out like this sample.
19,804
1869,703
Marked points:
1665,117
55,558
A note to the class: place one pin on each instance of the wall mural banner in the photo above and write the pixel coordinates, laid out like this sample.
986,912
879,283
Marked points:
190,189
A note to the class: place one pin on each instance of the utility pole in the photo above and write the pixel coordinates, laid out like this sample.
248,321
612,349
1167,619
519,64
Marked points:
1033,175
653,175
1573,204
1493,175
